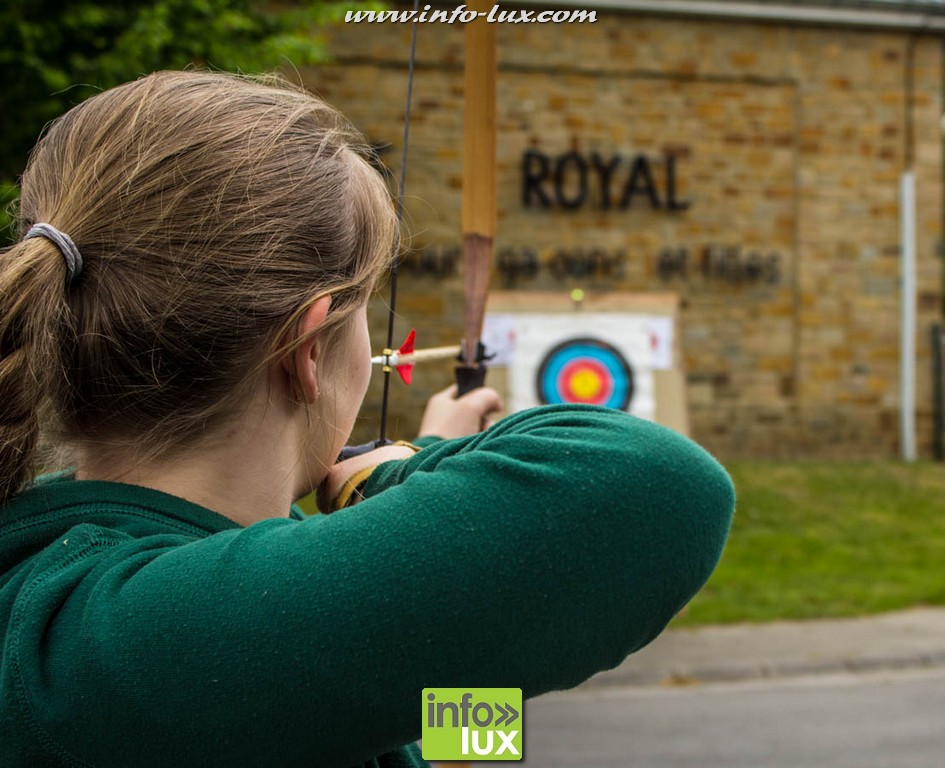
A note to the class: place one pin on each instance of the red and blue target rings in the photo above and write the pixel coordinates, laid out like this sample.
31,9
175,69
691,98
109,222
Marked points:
585,370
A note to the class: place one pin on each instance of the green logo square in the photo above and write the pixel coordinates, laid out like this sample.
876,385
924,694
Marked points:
472,723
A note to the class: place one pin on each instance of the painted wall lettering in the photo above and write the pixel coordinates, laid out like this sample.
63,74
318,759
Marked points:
516,264
565,181
434,261
591,262
715,263
723,263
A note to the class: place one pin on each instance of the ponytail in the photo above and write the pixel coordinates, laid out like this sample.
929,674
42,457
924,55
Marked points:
31,300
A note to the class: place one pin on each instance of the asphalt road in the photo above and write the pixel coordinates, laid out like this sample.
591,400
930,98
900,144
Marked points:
880,720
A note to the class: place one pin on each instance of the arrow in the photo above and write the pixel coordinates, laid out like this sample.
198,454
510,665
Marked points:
406,356
389,358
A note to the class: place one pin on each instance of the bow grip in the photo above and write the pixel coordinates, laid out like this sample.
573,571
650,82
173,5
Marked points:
469,377
350,451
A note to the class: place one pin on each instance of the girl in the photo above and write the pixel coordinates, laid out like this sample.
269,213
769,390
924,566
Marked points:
184,317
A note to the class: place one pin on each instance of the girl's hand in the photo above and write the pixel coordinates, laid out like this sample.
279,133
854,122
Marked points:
447,416
340,473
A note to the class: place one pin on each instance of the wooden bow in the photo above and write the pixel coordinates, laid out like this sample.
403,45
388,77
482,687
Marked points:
479,192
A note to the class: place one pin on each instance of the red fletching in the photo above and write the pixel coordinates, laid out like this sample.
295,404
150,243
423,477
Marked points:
406,370
407,347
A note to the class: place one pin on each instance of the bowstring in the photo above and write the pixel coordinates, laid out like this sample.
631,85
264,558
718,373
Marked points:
395,263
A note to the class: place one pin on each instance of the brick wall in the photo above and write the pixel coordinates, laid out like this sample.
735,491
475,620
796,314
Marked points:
787,144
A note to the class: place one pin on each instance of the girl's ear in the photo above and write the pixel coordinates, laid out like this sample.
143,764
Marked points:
300,365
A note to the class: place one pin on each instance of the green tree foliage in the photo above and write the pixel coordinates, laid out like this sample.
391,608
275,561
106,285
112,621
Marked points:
55,53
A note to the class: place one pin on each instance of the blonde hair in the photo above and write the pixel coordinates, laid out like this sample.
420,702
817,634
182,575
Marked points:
210,211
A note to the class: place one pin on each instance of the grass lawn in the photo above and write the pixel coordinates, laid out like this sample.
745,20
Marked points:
812,540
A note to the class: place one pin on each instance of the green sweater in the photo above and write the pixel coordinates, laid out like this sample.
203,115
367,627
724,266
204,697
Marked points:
139,629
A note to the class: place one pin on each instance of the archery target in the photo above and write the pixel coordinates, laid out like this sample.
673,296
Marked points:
585,370
603,358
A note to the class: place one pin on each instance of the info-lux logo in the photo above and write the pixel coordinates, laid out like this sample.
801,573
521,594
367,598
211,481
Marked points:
472,723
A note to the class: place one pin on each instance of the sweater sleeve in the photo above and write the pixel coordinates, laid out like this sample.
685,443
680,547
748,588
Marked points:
533,555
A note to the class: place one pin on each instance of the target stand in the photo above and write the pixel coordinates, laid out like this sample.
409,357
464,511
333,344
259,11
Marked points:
617,350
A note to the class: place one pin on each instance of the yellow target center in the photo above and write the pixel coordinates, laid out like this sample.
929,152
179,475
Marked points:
585,384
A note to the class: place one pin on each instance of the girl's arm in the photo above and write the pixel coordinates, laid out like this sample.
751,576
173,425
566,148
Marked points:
532,555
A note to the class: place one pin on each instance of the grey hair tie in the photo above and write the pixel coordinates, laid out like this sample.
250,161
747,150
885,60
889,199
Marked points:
68,249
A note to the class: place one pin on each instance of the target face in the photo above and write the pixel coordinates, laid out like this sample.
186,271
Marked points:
585,370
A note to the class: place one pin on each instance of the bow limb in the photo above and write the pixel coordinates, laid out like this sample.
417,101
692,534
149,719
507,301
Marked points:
479,194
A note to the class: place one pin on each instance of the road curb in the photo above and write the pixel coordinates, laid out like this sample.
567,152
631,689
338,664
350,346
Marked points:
731,673
912,639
